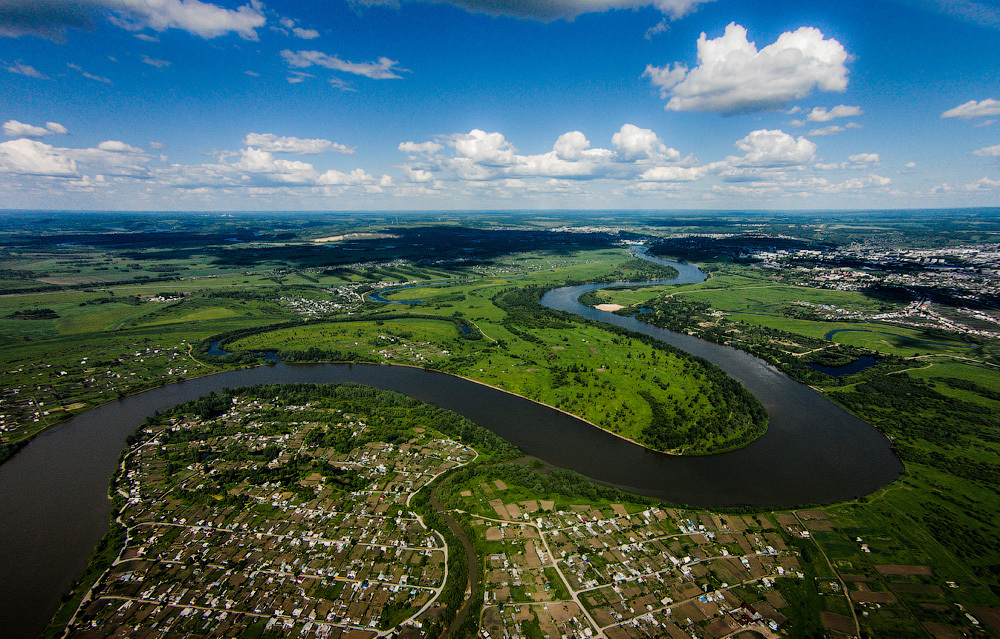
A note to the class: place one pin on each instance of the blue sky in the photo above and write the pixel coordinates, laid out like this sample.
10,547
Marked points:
472,104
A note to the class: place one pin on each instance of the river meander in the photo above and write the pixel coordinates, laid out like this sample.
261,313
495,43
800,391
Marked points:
53,494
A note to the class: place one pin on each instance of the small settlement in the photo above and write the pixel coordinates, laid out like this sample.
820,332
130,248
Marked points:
620,573
330,553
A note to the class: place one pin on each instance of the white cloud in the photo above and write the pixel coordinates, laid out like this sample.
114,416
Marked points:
336,178
633,142
484,148
570,146
733,77
972,110
259,161
827,130
864,158
820,114
30,157
856,162
114,146
89,76
552,165
481,156
418,175
197,18
89,184
982,184
280,144
660,27
865,182
423,147
153,62
547,10
674,174
763,148
989,151
256,168
15,129
305,34
26,70
112,157
383,69
95,78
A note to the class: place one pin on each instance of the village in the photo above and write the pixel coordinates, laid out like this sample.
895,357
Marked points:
330,553
625,573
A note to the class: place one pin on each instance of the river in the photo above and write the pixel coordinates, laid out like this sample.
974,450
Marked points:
53,494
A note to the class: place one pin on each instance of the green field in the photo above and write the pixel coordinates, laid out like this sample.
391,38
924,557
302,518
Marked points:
594,374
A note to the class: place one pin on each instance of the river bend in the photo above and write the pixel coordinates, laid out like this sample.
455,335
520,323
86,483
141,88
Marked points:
53,494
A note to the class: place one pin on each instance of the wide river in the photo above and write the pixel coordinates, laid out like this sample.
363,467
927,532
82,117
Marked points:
53,494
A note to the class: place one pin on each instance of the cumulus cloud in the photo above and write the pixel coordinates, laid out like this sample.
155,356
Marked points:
30,157
423,147
417,175
820,114
633,142
570,146
982,184
764,148
733,77
674,174
50,19
115,146
989,151
26,70
864,158
258,168
383,69
281,144
15,129
481,156
856,162
548,10
484,148
972,110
